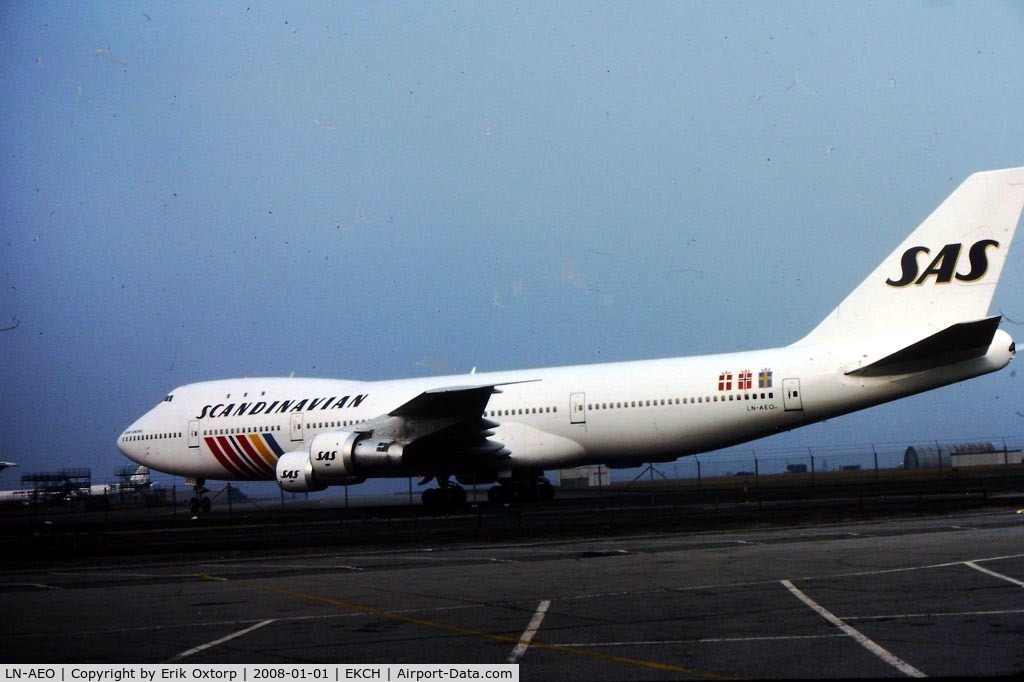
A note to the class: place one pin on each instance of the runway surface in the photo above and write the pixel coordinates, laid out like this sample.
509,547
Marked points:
936,595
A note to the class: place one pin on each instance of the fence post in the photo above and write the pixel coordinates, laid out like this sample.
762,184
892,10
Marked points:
811,453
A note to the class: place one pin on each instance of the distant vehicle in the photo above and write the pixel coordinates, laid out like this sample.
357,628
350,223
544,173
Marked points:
5,465
68,492
918,322
139,479
18,497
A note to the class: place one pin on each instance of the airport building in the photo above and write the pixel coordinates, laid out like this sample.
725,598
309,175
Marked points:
584,477
957,456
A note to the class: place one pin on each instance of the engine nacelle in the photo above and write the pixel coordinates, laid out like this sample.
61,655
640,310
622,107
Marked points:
342,454
295,473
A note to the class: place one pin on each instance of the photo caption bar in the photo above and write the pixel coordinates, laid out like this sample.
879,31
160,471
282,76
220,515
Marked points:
385,672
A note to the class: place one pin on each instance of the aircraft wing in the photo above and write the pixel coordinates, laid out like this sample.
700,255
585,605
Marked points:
468,401
444,425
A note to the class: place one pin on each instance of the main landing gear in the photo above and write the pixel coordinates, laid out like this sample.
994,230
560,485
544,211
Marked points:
445,496
520,488
199,501
523,489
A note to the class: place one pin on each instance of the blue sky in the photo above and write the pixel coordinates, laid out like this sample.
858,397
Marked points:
205,190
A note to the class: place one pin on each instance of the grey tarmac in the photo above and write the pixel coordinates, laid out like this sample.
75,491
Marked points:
933,595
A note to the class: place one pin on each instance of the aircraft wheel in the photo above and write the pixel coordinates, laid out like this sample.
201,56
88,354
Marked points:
456,496
205,504
520,491
545,491
193,506
452,496
523,492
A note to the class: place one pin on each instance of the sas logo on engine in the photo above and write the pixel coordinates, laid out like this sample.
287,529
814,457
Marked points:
943,267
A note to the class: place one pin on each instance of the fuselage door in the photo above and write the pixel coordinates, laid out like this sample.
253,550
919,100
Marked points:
193,433
297,426
577,408
791,399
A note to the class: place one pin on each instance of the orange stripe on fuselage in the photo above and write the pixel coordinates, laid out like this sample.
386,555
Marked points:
252,455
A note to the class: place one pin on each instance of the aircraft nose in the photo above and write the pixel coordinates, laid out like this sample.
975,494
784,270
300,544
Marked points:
131,444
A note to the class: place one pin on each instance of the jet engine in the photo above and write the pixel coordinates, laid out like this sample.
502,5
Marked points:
342,454
295,473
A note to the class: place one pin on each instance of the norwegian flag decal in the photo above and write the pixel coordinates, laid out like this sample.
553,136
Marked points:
745,380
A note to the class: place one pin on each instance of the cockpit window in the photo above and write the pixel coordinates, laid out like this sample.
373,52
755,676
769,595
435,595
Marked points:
169,398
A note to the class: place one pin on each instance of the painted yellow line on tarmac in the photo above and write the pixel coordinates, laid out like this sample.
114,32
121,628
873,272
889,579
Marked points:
470,632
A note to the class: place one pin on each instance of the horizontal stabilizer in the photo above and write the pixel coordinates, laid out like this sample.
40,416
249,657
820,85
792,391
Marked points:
957,343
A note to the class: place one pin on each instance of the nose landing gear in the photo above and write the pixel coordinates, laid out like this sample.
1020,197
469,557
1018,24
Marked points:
199,501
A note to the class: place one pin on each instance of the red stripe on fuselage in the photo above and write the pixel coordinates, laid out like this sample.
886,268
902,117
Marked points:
222,458
237,458
254,456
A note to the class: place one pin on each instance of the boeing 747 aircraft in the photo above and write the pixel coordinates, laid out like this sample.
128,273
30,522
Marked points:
919,321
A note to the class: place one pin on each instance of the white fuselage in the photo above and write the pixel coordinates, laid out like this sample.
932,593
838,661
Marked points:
621,414
920,320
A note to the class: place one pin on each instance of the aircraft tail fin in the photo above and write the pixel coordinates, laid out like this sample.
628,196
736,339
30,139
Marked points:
944,274
140,477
